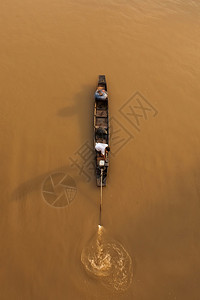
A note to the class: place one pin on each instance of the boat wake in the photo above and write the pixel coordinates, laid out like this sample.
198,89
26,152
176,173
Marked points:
109,261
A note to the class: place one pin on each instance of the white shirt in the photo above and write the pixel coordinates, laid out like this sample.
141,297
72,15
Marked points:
101,147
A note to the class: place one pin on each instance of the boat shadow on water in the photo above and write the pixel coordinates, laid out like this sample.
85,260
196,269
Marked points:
82,108
36,184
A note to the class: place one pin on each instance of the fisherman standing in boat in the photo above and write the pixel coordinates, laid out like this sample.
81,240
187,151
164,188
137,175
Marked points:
103,148
101,94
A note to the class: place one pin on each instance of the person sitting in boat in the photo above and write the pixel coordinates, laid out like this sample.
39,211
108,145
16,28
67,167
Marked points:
101,94
100,131
103,148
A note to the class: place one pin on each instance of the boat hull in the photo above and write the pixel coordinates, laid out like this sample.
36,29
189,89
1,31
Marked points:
101,132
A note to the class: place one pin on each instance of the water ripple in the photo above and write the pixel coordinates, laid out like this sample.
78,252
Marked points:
109,261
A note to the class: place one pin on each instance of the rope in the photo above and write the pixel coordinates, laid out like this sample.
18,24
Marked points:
101,196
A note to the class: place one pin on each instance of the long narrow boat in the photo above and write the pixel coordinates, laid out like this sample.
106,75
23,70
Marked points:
101,132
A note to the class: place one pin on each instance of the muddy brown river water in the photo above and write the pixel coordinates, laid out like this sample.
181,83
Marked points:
51,54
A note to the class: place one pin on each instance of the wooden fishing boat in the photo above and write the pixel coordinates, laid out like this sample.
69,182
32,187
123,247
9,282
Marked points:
101,132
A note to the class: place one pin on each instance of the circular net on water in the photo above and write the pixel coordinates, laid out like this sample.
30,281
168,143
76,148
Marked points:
109,261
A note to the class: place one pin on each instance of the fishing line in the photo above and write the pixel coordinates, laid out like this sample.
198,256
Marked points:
101,197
